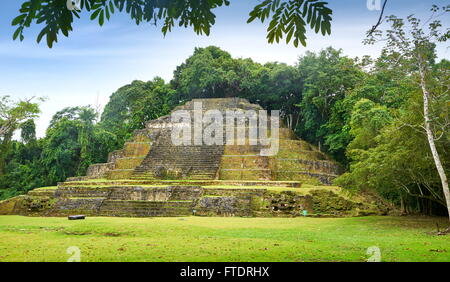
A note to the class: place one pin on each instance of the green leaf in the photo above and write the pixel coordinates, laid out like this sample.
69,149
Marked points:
17,32
18,19
252,18
107,12
303,40
111,7
50,39
289,35
41,34
95,14
101,18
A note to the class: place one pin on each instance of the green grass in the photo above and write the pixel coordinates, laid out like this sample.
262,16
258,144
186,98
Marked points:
222,239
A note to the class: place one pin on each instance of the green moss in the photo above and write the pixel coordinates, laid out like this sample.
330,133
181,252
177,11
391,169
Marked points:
136,149
245,174
34,205
7,206
128,163
46,188
119,174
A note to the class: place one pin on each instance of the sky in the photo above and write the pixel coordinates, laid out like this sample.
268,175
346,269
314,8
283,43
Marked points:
93,62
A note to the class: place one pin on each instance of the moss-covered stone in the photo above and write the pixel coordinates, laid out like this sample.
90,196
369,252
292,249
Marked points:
168,200
7,207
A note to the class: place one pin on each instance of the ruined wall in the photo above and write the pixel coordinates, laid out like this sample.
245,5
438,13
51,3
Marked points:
296,160
186,200
99,170
121,163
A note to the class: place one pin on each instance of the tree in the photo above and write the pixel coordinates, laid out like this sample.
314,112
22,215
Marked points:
382,82
367,120
278,87
12,116
327,77
28,131
87,117
390,155
287,18
212,73
132,105
209,73
415,47
74,141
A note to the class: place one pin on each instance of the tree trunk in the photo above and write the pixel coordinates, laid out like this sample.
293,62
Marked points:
430,136
2,165
402,206
4,147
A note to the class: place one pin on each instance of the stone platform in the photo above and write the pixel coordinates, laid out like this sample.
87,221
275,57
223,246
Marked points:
146,199
152,177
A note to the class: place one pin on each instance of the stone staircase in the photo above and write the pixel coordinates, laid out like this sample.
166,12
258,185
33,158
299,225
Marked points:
168,161
134,201
145,208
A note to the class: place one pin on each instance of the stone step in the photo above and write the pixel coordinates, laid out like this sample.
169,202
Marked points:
98,185
185,164
146,208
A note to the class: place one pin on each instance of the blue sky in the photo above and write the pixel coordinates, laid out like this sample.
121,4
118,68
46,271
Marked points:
94,61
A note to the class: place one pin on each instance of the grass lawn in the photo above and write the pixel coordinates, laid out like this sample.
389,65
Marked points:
222,239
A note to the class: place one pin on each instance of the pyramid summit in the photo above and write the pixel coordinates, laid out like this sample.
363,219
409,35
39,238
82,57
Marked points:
153,176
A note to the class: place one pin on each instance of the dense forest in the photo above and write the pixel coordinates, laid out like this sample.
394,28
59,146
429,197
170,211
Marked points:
367,113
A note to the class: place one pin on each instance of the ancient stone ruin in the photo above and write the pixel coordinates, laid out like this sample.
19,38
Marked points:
151,176
150,154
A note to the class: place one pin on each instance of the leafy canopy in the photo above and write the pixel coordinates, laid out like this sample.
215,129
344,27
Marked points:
287,18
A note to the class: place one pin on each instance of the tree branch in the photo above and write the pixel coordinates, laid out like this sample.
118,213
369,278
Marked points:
380,19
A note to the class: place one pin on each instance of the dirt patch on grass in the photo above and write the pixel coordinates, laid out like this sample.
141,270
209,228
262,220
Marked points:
112,234
77,233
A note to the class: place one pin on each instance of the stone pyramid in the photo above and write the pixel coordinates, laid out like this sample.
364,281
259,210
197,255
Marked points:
150,154
152,176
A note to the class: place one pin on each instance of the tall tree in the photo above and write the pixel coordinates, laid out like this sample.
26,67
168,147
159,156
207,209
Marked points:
132,105
28,131
327,77
212,73
74,141
12,116
415,46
